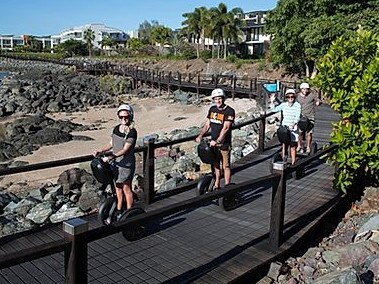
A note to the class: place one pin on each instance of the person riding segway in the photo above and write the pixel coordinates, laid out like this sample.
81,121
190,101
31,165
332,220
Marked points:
288,131
117,169
219,121
308,102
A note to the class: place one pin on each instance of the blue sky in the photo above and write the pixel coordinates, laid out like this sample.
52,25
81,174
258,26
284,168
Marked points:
48,17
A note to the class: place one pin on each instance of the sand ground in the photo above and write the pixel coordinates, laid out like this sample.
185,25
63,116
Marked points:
152,115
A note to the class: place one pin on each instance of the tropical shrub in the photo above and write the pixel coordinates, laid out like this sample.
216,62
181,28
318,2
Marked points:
349,77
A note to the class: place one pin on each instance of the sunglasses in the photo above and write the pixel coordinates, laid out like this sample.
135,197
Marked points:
290,97
123,117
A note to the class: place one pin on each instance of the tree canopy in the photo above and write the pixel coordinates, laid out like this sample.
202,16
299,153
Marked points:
349,76
217,23
303,30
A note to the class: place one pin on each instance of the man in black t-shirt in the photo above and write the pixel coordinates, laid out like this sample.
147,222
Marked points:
220,120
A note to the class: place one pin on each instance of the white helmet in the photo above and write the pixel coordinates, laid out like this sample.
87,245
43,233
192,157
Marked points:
218,93
128,108
290,91
304,86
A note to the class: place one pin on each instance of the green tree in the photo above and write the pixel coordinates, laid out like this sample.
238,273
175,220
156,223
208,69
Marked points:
349,76
134,43
89,36
161,35
71,47
195,25
224,26
108,42
302,31
144,30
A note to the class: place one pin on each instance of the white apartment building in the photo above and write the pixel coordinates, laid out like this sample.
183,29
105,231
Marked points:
100,31
254,38
8,42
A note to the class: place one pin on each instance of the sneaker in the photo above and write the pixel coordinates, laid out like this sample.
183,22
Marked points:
308,150
300,150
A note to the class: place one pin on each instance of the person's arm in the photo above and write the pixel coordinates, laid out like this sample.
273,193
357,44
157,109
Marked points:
273,107
224,131
104,149
297,115
317,100
204,130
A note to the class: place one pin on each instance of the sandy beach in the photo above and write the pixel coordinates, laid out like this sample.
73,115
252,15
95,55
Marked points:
152,115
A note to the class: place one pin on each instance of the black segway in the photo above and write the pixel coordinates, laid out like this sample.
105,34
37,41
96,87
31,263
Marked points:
208,155
108,204
284,137
306,125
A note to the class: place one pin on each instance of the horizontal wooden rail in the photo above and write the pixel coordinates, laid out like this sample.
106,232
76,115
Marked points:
32,253
195,202
303,162
52,164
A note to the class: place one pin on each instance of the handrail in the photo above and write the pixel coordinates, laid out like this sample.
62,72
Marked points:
52,164
301,163
105,231
86,158
33,253
193,137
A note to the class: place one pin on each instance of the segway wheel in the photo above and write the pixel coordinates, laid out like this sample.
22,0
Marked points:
135,232
276,158
228,202
204,184
313,148
104,210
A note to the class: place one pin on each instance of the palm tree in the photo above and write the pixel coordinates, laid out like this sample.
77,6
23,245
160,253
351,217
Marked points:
107,41
226,25
89,36
232,28
195,24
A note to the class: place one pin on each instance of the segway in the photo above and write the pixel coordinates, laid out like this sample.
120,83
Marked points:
208,155
103,173
306,125
284,137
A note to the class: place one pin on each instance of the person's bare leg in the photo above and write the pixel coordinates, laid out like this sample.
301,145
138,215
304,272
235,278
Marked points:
293,154
217,175
119,196
309,139
283,150
227,175
128,195
300,142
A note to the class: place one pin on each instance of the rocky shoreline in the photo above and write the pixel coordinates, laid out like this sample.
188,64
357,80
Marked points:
349,255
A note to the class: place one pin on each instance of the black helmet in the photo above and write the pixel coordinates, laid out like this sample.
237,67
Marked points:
284,134
102,171
206,153
304,124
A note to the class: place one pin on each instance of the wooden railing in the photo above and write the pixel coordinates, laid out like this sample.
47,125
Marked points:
77,235
148,150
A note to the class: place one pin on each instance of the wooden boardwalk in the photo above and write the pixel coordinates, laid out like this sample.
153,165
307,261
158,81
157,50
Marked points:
203,245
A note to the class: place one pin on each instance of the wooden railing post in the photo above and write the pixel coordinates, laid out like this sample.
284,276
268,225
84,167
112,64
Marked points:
262,132
159,82
234,80
148,169
169,83
277,207
180,80
76,256
197,86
